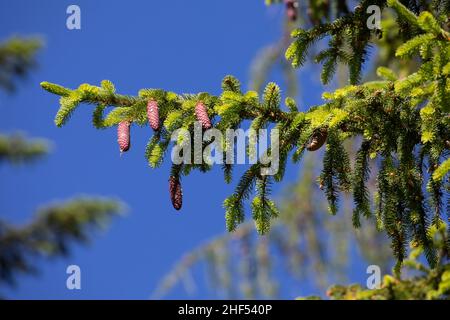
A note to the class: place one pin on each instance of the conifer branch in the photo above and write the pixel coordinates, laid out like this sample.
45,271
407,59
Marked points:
397,116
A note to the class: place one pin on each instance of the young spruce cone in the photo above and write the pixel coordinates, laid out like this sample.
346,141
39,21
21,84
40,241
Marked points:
123,136
153,114
291,9
202,115
176,194
317,140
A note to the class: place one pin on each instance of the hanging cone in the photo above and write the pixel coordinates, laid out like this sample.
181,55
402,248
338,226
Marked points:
317,140
153,114
202,115
176,193
123,136
291,9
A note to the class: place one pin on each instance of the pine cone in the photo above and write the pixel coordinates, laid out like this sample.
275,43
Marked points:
291,9
317,140
202,115
176,194
123,136
153,114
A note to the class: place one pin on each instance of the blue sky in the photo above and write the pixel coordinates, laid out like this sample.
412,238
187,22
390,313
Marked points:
184,46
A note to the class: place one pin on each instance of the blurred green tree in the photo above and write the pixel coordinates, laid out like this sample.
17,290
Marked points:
304,244
55,227
17,58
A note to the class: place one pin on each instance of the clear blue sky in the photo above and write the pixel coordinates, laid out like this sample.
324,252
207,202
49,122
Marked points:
184,46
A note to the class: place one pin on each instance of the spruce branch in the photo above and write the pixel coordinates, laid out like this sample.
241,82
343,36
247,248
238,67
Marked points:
397,116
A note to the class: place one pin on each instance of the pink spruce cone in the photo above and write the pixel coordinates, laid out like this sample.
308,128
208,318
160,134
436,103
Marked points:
202,115
291,9
153,114
123,136
176,193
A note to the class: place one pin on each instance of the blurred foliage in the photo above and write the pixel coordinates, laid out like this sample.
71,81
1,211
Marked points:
54,228
17,149
271,58
306,243
17,57
417,283
50,233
